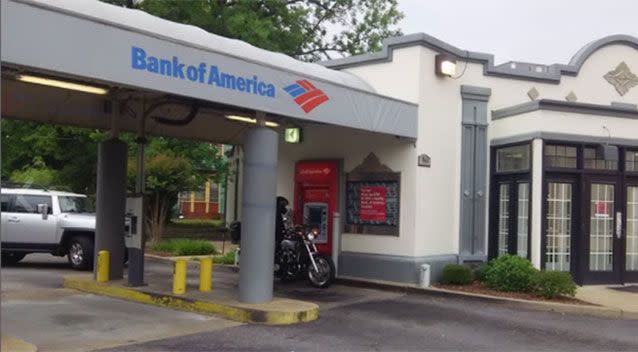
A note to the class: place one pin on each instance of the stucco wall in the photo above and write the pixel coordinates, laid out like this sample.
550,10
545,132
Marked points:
410,76
352,146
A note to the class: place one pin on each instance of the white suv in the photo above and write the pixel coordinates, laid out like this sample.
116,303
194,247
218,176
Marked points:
38,220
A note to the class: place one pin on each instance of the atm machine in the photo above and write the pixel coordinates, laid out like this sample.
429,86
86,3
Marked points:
316,198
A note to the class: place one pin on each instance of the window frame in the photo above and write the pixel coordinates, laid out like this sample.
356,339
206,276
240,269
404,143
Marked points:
15,202
494,157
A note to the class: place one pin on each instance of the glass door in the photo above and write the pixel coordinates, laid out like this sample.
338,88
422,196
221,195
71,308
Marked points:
513,210
603,224
559,225
630,238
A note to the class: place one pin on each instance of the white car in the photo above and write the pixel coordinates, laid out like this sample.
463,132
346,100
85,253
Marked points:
38,220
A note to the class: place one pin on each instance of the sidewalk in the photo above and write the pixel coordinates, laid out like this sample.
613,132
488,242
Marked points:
624,298
222,300
12,344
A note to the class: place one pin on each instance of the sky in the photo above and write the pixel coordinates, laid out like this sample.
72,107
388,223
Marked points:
537,31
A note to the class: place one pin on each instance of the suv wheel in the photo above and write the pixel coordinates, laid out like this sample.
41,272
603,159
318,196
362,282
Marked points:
80,253
9,258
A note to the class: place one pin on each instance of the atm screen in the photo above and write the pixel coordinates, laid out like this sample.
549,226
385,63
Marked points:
316,215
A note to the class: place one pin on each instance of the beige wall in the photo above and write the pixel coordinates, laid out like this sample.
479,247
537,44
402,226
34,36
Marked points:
352,146
410,76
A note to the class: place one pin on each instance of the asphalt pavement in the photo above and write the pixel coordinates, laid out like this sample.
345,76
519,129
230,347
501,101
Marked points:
351,319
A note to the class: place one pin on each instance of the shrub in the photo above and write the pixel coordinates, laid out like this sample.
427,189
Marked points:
185,247
228,258
551,284
456,274
479,272
510,273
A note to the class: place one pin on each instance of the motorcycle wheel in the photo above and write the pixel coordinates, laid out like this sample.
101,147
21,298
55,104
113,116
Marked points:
326,274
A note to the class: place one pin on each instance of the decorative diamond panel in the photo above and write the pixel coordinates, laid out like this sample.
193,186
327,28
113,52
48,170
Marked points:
571,97
533,93
622,78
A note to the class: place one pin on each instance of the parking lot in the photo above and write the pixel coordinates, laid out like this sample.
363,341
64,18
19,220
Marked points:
35,308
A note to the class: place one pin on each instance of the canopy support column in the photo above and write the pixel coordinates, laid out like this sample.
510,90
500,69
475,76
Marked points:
111,203
258,215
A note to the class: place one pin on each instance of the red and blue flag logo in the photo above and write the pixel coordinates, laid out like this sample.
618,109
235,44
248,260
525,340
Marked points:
306,95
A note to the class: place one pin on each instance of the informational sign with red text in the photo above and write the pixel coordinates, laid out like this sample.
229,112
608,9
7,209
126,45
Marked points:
372,203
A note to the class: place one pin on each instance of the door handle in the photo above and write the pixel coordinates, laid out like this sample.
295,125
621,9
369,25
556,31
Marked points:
14,219
618,225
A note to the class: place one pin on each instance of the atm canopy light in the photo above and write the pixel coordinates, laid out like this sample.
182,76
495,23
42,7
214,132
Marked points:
62,84
250,120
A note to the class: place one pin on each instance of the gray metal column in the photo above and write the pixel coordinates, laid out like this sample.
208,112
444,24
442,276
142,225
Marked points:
111,203
258,215
474,170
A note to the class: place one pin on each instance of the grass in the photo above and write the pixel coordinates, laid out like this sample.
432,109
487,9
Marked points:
229,258
185,246
198,222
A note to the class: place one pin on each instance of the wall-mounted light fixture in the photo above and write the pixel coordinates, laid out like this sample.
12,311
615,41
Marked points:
444,65
250,120
62,84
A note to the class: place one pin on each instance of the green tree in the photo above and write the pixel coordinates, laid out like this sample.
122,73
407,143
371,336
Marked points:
309,30
166,175
70,151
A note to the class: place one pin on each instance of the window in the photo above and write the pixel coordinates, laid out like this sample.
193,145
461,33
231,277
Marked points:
75,205
560,156
594,162
29,204
503,219
558,230
522,226
6,199
213,193
631,161
512,159
631,250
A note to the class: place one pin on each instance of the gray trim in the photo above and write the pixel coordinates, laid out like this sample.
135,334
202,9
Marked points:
618,104
391,267
473,185
563,137
520,70
615,110
475,93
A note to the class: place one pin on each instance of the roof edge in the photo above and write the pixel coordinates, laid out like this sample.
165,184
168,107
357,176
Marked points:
623,111
513,69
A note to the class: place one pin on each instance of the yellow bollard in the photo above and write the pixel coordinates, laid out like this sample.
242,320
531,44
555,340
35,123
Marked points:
179,277
102,268
205,274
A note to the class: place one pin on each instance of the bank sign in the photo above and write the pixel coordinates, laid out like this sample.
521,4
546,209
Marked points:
304,93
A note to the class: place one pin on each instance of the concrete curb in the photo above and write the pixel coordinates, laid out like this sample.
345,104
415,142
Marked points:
278,312
597,311
12,344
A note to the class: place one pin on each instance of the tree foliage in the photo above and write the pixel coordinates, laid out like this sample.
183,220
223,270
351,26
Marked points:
166,175
309,30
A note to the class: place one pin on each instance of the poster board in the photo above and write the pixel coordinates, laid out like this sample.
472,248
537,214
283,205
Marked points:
372,203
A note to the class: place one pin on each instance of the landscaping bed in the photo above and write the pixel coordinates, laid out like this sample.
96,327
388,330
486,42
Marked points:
511,276
479,288
190,247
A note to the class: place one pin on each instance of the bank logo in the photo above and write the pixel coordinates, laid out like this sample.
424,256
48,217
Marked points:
306,95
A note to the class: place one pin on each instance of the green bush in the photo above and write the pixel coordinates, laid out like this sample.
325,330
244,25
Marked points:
510,273
184,246
479,272
551,284
228,258
456,274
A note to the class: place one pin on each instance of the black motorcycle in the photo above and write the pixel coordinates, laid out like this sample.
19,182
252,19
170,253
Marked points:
295,251
297,255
